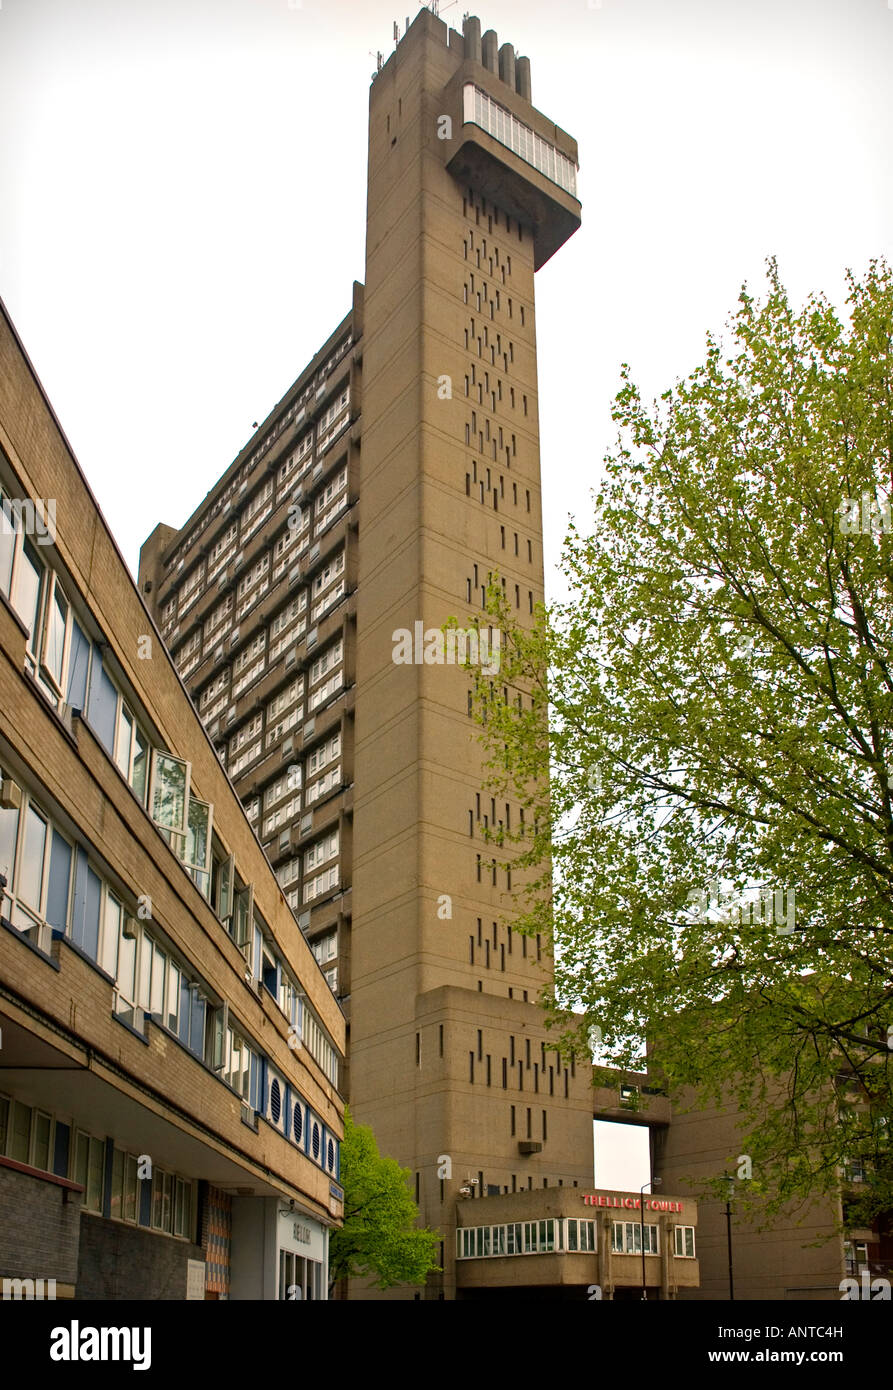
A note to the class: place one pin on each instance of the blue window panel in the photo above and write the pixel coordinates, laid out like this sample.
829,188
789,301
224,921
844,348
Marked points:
253,1082
185,1012
60,1150
197,1025
103,704
271,981
258,952
79,898
91,915
60,882
78,665
145,1204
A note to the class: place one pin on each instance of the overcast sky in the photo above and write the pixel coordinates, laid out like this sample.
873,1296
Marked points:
182,185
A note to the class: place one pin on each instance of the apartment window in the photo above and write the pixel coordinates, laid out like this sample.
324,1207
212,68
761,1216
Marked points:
512,1108
89,1166
132,750
38,865
626,1238
321,852
684,1242
169,796
54,639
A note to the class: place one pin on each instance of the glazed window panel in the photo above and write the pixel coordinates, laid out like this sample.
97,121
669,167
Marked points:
170,792
26,598
34,844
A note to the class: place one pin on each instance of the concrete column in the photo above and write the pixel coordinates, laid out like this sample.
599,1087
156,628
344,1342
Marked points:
472,31
490,50
522,78
665,1255
603,1240
507,65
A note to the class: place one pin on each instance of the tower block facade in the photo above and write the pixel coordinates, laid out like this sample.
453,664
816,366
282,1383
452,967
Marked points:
470,191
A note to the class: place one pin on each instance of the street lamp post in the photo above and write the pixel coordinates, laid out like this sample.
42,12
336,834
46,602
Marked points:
656,1182
729,1193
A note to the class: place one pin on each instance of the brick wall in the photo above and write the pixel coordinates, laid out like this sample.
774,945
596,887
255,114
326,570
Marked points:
40,1230
119,1261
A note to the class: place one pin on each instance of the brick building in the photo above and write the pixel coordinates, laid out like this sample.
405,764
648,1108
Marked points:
170,1052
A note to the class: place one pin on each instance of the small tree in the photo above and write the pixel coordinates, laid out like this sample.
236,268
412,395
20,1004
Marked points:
379,1239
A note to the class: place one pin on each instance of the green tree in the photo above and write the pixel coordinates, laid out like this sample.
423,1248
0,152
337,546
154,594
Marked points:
379,1239
712,705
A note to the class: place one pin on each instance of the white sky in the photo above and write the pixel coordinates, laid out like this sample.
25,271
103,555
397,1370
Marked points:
182,188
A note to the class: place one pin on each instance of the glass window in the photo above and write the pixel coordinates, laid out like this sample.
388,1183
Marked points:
159,970
158,1177
42,1127
78,662
125,977
33,851
29,573
7,550
20,1137
172,1011
140,768
124,740
198,839
197,1024
116,1205
685,1242
92,909
144,994
130,1188
9,829
55,635
4,1124
111,931
59,883
170,792
93,1196
572,1235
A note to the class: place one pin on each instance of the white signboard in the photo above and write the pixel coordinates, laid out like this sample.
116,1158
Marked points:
301,1235
195,1280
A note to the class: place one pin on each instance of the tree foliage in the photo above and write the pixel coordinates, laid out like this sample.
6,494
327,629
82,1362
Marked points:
379,1239
713,705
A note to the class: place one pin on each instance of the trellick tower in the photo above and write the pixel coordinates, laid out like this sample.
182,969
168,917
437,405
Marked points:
470,191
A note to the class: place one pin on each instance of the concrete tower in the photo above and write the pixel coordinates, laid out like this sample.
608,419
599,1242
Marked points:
471,190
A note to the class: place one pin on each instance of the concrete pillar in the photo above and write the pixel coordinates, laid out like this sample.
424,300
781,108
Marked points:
472,31
522,78
490,49
507,65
